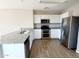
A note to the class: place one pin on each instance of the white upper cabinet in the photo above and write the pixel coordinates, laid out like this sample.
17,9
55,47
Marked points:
52,18
55,19
37,19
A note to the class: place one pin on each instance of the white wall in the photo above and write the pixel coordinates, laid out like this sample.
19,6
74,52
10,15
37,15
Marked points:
74,10
66,14
12,20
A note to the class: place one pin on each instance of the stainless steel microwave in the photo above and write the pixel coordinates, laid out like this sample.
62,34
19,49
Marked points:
45,21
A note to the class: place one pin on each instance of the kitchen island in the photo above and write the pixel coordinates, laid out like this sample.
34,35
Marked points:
16,44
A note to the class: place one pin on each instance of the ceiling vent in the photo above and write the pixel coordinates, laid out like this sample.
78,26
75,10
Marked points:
52,1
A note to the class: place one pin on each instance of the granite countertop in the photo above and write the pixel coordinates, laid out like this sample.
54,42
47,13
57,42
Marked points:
15,37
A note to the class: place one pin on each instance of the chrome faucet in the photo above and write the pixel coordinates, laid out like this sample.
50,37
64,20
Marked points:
22,31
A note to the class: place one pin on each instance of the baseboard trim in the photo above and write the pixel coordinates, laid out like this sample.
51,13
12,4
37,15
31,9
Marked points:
77,51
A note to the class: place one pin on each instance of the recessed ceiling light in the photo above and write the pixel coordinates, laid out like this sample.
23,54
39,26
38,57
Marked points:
52,1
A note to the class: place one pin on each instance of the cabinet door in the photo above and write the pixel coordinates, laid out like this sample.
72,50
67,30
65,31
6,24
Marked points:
55,33
37,19
55,19
13,51
37,33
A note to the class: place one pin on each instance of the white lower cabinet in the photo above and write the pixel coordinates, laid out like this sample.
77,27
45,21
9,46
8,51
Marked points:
13,51
55,33
37,33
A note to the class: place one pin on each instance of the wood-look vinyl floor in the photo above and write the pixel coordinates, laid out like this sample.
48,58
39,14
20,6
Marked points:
51,49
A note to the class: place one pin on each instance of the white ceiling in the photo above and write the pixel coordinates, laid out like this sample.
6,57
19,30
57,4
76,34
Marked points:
55,8
36,5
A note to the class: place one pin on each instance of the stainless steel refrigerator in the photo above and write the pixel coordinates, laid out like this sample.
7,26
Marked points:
69,31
